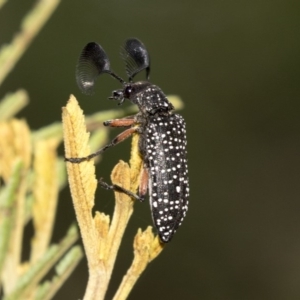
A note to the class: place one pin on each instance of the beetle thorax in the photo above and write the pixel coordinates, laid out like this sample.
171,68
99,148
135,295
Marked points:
148,97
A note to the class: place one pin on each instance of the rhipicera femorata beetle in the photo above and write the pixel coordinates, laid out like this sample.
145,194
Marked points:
162,133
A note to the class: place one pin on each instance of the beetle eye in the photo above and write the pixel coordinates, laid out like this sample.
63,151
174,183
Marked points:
128,91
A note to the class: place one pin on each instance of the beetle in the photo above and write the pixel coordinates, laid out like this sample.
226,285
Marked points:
162,133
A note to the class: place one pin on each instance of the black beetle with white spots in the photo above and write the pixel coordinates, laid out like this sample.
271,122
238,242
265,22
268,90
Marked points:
162,134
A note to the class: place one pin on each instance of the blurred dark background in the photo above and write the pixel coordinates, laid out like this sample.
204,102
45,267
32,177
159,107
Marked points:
236,66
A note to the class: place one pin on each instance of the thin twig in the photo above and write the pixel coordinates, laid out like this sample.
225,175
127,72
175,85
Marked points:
30,27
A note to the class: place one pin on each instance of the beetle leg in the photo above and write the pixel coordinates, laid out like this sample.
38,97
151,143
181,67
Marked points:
118,139
144,181
120,189
124,122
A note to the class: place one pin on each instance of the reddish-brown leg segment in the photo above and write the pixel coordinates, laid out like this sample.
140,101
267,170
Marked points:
143,187
118,139
126,122
119,122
